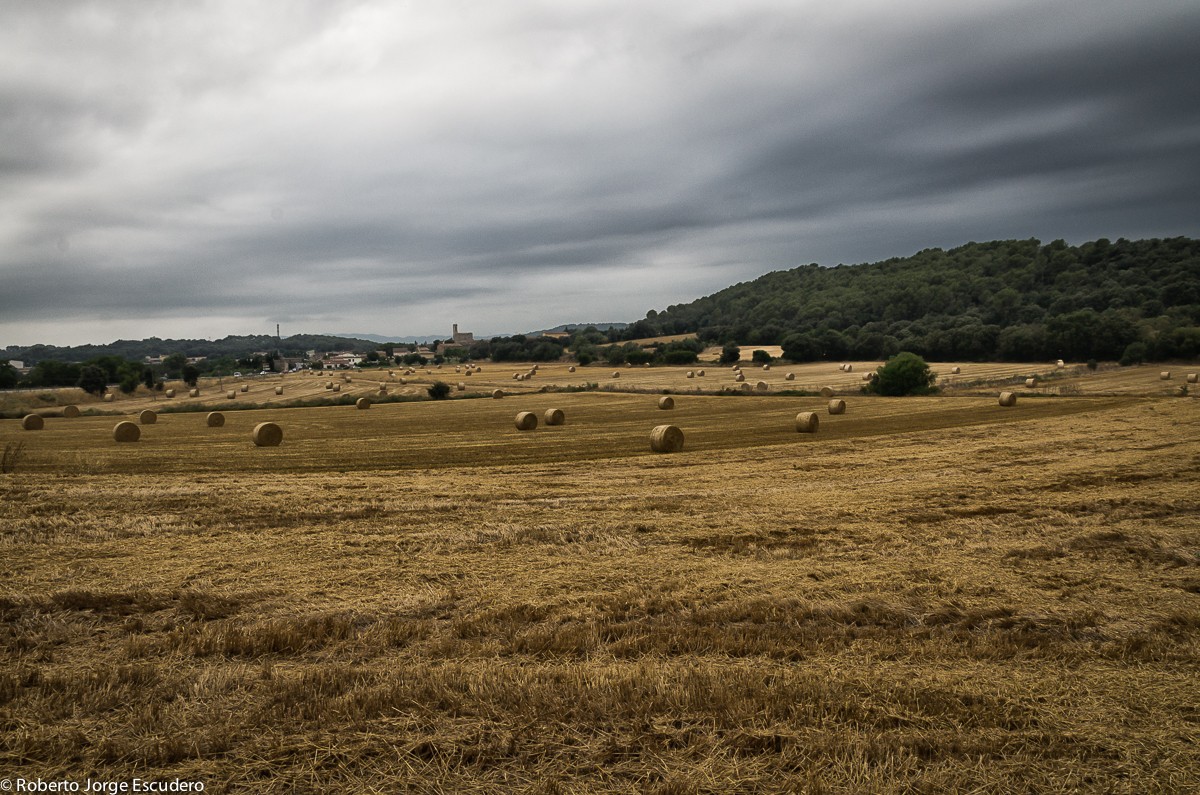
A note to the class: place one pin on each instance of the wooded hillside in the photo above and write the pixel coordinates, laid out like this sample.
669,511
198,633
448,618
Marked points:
1013,300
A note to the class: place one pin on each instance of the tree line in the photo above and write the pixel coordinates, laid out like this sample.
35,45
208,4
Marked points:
1009,300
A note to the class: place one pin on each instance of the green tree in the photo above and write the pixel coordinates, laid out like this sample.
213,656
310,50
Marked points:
761,357
8,376
173,365
438,390
730,353
904,374
190,374
93,379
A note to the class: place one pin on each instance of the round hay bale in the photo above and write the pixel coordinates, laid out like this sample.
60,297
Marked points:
278,390
383,389
403,381
362,404
194,393
826,391
736,367
392,373
790,377
699,373
628,364
468,373
554,417
571,369
526,421
215,419
1192,377
1165,375
841,367
329,385
497,393
1030,383
71,412
691,374
807,422
126,431
761,386
666,439
337,387
147,417
867,376
478,369
1008,399
1060,364
519,377
766,367
108,397
849,368
616,374
955,370
666,402
245,387
32,422
837,406
231,394
739,377
462,387
346,379
170,393
534,368
746,387
267,434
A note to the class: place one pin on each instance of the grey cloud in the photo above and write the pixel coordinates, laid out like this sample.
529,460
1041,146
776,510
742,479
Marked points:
325,160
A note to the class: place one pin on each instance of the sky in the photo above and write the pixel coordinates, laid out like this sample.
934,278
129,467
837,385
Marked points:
198,169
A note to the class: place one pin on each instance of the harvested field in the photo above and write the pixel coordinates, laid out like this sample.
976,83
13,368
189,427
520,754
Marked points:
930,594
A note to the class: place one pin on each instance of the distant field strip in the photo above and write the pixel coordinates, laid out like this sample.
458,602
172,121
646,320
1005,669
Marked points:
436,434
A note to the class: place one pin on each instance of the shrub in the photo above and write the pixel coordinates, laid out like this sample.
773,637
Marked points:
904,374
93,379
439,390
1135,353
730,353
761,357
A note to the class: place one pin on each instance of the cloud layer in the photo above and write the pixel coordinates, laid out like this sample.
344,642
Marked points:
199,169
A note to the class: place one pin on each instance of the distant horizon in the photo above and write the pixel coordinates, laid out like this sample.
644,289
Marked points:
202,169
368,337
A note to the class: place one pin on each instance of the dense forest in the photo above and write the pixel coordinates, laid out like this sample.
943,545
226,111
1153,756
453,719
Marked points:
1013,300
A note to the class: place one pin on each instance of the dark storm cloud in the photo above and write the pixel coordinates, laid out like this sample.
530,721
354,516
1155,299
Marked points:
525,164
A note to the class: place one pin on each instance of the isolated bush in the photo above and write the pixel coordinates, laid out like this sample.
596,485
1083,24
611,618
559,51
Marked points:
761,357
904,374
439,390
93,379
730,353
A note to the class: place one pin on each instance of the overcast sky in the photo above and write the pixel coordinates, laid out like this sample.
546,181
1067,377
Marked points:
198,169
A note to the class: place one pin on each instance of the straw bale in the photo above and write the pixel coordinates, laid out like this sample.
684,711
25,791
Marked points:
126,431
666,439
267,434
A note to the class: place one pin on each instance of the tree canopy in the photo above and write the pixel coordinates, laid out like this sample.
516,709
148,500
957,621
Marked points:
1014,300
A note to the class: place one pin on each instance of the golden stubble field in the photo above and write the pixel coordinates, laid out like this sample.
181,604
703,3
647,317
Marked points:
929,594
